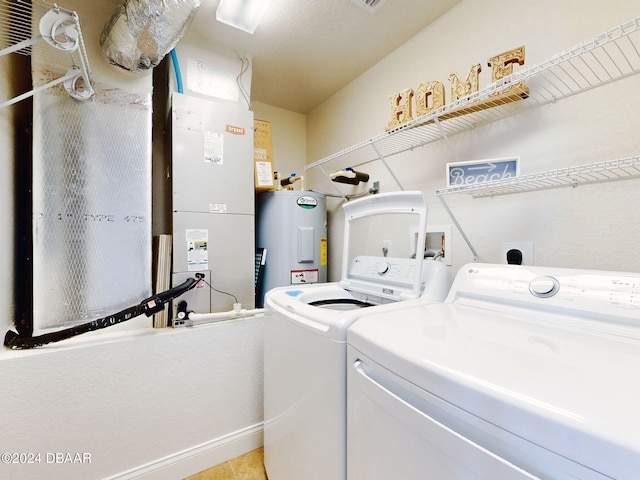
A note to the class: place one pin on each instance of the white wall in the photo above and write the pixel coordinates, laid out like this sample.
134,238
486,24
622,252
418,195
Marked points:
589,227
143,403
155,404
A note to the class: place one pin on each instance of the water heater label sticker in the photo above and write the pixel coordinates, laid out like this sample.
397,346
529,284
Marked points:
197,254
304,276
213,148
323,252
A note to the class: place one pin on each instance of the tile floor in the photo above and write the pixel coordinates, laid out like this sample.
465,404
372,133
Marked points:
249,466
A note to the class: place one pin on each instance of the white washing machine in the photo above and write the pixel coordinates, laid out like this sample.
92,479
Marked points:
523,372
305,333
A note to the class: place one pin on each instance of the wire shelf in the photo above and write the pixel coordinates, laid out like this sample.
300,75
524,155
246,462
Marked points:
620,169
608,57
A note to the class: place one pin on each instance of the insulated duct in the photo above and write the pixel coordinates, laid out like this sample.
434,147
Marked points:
141,32
91,204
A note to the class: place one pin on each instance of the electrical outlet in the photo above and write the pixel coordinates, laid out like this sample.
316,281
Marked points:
525,247
199,298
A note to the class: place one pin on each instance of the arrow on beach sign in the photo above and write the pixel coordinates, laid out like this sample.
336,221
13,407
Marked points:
479,171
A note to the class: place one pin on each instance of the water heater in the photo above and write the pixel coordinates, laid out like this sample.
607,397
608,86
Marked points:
292,227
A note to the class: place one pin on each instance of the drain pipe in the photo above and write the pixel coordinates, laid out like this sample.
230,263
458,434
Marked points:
191,319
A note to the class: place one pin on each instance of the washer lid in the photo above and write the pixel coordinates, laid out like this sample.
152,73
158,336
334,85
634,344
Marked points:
382,234
570,389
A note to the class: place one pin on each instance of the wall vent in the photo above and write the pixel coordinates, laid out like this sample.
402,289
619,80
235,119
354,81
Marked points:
369,5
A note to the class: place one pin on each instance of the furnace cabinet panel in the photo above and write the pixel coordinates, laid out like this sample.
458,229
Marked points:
213,196
230,253
212,156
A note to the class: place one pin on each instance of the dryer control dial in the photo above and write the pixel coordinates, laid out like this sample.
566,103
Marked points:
544,286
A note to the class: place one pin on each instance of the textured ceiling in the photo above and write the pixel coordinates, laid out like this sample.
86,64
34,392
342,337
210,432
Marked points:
304,51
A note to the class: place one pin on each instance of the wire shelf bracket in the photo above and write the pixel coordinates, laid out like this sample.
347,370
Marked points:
60,29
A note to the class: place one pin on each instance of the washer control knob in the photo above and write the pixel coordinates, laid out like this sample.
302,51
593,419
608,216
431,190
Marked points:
384,268
544,286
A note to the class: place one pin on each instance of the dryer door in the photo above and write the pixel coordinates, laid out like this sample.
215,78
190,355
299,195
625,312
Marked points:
389,438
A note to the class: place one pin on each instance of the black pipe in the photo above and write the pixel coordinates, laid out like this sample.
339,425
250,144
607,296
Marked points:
148,306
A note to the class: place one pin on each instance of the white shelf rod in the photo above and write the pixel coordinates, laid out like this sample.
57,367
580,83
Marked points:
446,140
70,75
382,159
19,46
459,227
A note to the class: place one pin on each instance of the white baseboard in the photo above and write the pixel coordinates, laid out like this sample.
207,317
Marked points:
199,458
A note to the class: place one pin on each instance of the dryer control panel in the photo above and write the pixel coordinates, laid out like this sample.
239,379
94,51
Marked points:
590,294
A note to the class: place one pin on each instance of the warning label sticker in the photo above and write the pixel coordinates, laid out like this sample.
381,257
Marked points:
304,276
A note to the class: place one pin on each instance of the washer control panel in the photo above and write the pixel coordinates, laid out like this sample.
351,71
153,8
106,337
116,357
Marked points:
399,272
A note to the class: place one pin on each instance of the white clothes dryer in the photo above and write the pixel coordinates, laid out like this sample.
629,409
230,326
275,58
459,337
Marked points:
522,373
305,333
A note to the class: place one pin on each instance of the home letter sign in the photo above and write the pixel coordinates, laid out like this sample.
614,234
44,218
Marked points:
430,95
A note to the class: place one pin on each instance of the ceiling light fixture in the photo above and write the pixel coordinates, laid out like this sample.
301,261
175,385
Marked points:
242,14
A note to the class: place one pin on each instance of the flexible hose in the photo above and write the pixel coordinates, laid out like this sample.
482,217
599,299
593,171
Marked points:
148,306
176,69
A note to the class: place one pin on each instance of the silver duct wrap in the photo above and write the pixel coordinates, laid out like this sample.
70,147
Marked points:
141,32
